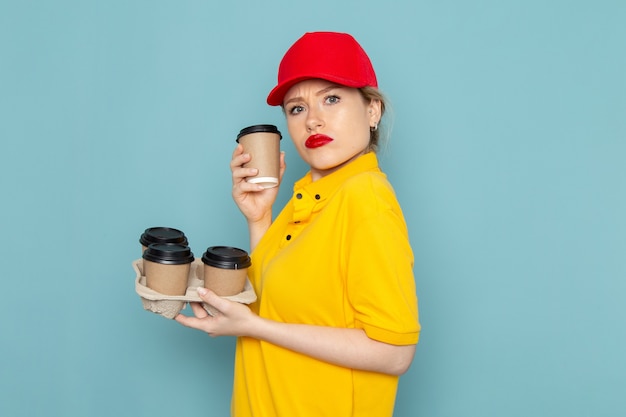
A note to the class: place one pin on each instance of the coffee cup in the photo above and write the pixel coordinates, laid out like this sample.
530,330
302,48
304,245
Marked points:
225,269
162,235
262,142
166,268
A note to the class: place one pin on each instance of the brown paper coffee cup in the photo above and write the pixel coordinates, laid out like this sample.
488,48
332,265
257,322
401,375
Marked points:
262,142
224,282
166,267
166,279
225,269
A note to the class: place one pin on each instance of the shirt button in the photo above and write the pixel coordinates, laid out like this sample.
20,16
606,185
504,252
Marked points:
288,237
298,196
317,196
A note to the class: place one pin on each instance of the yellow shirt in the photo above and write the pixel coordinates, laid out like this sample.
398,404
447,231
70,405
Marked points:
337,255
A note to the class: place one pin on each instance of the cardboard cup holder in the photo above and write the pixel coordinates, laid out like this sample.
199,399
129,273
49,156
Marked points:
169,306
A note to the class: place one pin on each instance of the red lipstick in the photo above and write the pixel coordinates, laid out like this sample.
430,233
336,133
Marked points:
315,141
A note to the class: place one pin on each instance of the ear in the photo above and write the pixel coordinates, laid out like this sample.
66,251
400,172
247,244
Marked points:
373,110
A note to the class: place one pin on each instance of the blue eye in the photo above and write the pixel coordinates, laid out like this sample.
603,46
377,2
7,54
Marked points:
296,110
332,99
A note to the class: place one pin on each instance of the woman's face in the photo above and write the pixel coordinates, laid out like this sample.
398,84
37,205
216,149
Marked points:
329,124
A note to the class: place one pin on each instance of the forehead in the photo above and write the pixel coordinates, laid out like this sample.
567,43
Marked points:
310,86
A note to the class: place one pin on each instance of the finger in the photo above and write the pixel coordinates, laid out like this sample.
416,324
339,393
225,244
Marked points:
283,164
243,190
240,173
192,322
237,151
213,299
239,158
198,310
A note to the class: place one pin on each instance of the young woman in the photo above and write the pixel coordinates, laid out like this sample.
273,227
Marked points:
336,319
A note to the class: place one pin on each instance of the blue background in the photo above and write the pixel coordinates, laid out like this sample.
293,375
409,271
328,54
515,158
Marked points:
507,155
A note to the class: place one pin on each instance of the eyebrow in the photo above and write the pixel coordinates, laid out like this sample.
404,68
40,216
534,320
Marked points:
319,93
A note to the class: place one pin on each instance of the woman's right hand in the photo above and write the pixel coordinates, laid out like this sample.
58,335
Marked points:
254,201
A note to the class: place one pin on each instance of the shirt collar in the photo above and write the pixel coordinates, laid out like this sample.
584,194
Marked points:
310,196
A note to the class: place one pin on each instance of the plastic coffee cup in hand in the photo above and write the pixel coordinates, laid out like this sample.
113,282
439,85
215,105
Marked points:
262,142
166,268
225,269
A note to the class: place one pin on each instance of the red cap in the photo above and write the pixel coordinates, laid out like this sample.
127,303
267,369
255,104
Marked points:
331,56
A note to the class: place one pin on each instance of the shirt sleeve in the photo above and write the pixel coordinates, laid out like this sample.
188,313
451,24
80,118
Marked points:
380,280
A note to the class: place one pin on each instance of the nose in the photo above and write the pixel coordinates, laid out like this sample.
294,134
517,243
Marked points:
314,120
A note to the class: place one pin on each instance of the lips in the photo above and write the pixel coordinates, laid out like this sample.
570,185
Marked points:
315,141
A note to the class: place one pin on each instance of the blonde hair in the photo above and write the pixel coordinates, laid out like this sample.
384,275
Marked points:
369,94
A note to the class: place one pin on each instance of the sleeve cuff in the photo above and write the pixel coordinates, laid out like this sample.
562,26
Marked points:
390,337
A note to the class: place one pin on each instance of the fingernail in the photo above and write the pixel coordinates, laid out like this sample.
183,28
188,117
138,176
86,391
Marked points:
201,290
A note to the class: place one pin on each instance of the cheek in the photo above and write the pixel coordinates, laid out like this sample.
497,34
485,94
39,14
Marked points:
356,117
294,127
296,136
357,125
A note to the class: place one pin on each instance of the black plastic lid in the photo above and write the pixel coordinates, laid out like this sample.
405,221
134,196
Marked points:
258,128
226,257
168,253
162,235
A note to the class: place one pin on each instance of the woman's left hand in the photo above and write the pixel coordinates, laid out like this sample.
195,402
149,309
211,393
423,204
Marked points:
350,348
230,319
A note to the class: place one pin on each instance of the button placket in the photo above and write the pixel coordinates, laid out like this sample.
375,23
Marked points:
302,207
305,203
